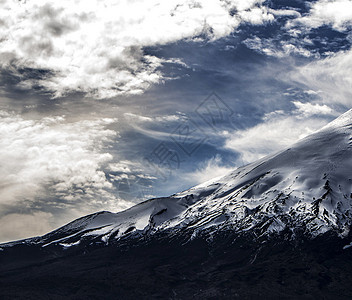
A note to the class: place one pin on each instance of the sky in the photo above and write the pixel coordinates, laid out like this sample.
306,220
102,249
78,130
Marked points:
104,104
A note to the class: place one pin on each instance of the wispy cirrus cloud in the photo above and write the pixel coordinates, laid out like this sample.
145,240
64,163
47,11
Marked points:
330,76
277,48
277,131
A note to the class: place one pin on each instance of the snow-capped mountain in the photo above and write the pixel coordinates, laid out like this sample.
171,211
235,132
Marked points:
305,189
279,227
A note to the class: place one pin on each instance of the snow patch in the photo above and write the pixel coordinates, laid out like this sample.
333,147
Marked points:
347,246
66,246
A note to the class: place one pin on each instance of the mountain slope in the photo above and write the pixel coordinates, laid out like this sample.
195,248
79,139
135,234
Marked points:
304,189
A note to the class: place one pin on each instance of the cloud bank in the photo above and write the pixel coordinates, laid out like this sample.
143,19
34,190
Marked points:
51,164
68,156
97,47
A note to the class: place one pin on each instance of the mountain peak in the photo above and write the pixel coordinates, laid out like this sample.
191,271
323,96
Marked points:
343,120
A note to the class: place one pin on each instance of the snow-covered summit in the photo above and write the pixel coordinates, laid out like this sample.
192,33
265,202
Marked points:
306,189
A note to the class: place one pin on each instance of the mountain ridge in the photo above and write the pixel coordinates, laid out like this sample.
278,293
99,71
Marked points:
306,187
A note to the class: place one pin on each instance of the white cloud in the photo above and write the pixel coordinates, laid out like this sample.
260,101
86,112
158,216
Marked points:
208,170
52,171
129,170
256,15
96,47
279,48
132,181
285,13
275,133
330,76
335,13
131,117
309,109
68,156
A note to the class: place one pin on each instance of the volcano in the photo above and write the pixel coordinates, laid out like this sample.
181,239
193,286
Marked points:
278,228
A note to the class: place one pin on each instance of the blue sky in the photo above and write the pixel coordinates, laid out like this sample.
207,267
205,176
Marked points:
106,104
